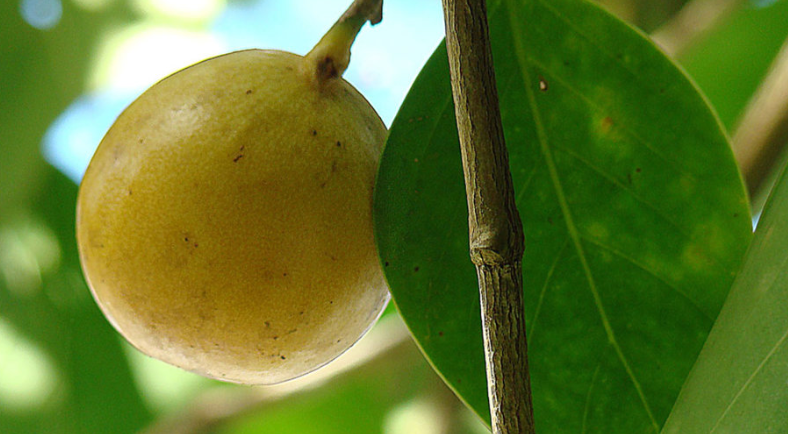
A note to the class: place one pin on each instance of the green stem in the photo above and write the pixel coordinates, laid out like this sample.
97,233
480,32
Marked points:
331,55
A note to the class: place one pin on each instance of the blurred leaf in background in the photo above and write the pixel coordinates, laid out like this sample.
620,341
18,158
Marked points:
62,369
732,59
732,62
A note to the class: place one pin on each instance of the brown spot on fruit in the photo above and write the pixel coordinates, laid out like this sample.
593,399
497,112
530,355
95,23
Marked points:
326,68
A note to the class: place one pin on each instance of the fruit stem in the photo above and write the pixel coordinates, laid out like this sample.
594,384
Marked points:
330,57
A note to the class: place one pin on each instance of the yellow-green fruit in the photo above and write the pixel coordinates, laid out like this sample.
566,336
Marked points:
224,223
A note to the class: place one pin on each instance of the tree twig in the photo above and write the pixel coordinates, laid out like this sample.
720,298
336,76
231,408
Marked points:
762,133
690,23
496,235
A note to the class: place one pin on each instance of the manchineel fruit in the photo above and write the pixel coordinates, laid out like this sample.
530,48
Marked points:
225,221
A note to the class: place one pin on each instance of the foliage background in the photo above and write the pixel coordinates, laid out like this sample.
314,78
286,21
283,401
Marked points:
62,367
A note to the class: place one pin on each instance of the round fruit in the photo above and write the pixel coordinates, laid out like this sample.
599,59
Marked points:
225,221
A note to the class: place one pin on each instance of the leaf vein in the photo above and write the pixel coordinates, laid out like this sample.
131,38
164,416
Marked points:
750,379
652,273
709,254
587,406
543,291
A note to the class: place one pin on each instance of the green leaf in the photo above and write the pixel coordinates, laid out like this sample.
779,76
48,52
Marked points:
634,215
731,61
89,388
738,384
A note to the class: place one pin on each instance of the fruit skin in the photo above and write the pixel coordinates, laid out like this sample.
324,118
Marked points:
224,223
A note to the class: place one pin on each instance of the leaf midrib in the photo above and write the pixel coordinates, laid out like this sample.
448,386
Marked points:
574,235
